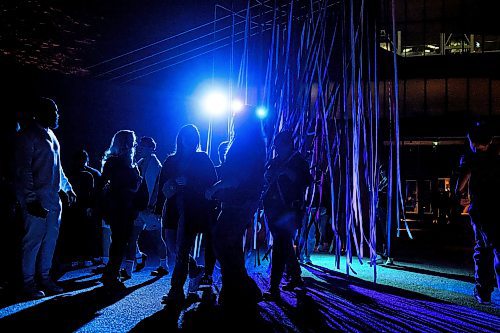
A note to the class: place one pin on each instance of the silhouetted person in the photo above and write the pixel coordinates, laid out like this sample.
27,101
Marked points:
79,231
185,177
210,260
95,219
221,154
39,179
121,179
480,173
384,236
287,178
239,190
150,168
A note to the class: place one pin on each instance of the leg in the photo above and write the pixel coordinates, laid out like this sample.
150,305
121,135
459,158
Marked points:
309,239
120,231
185,241
171,236
34,231
483,267
47,249
278,258
160,246
132,248
496,254
238,289
106,242
209,254
161,250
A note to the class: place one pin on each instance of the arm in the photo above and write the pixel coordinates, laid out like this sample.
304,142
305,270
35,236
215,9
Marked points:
24,177
463,181
64,183
161,184
24,172
66,187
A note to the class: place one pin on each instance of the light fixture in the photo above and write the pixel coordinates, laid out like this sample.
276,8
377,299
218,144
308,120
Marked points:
261,112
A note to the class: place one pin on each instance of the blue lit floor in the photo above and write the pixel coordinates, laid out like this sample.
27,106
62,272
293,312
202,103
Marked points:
407,298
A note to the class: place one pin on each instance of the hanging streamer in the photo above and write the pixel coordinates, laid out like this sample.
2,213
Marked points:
320,81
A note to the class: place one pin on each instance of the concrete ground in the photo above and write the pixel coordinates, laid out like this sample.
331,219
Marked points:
407,297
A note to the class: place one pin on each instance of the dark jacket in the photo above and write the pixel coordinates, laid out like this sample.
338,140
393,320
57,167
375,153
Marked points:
283,193
123,182
245,163
200,174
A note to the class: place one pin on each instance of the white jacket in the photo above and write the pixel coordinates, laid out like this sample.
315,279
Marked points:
39,174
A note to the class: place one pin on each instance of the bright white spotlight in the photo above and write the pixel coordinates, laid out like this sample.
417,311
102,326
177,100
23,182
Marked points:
215,103
261,112
237,105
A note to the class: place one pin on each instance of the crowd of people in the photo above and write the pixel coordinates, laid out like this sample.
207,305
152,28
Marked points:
174,202
187,195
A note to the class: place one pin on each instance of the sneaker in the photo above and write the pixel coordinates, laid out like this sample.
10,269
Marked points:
206,282
124,276
160,271
32,293
142,264
273,294
306,261
174,299
192,298
51,287
99,269
294,283
195,282
482,298
389,262
379,260
113,284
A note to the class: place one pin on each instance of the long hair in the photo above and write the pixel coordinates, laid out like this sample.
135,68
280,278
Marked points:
247,130
190,135
122,145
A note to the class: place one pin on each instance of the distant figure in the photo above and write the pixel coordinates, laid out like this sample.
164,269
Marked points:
122,180
385,238
480,175
39,178
206,281
239,190
82,225
150,168
185,177
222,151
287,178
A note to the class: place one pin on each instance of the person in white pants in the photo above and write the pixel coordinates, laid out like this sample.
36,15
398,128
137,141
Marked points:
39,178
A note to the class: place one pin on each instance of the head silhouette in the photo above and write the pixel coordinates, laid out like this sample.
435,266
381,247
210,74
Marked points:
479,136
81,158
283,143
46,113
188,140
122,145
145,147
222,150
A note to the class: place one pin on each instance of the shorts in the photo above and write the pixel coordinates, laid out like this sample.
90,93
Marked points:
148,220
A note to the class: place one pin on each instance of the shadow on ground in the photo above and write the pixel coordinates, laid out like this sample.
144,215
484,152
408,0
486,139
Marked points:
331,301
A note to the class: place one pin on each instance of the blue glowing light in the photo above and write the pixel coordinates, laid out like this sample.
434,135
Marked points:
237,105
261,112
215,103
